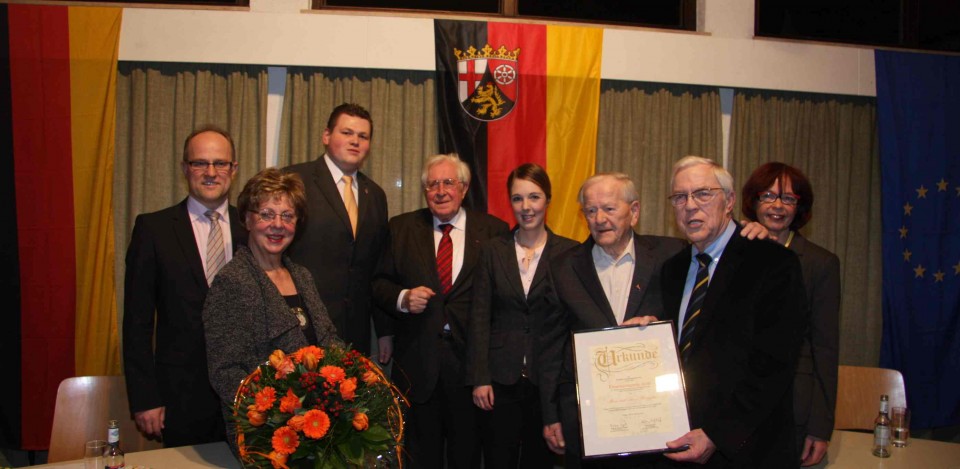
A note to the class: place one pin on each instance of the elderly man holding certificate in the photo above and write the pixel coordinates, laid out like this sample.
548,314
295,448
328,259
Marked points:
612,279
741,308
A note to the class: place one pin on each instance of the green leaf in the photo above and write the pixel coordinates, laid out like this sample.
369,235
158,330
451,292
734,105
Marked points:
376,434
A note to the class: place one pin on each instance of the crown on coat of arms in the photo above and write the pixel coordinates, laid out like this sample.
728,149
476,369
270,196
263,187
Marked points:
486,53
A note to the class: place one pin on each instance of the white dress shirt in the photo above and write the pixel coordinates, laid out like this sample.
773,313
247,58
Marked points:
338,179
526,274
616,275
201,228
458,235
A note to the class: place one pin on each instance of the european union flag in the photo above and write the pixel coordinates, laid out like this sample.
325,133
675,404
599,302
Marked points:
918,108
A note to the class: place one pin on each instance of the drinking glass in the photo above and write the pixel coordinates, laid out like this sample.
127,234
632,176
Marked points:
900,425
93,454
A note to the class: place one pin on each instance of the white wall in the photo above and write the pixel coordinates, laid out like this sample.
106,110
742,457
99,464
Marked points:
282,32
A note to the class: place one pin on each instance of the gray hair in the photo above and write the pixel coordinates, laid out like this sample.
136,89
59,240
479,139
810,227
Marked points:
723,176
628,188
463,171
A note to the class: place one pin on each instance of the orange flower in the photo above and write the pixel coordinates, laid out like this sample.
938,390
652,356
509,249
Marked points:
296,423
310,356
276,358
256,418
360,421
289,403
315,424
370,377
284,368
278,460
348,388
333,374
264,398
285,440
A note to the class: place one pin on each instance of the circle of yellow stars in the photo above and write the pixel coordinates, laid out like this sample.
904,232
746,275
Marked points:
919,271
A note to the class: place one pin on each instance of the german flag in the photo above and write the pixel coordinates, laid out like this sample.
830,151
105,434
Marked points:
58,72
509,94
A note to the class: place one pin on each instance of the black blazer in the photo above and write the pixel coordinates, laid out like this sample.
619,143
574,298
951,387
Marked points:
165,275
343,267
505,324
410,261
739,373
815,386
581,304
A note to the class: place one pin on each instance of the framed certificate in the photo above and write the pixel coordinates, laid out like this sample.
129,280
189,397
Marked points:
630,389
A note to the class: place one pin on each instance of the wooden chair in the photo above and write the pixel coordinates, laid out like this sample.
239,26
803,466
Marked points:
84,406
858,395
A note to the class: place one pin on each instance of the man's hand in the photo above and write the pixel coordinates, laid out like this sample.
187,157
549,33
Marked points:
483,396
813,451
151,421
553,433
417,298
639,321
753,230
385,347
701,447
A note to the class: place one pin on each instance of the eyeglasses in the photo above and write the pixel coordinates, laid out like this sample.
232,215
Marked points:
702,196
771,197
267,216
437,184
199,166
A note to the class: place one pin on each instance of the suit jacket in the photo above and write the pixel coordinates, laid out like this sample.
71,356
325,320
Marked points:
505,324
743,357
343,266
815,386
410,261
165,287
581,304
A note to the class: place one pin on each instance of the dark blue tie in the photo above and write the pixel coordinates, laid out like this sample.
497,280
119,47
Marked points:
695,305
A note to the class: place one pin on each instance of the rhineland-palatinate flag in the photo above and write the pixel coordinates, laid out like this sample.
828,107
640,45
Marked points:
515,93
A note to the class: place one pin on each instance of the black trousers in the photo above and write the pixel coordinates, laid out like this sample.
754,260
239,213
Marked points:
446,424
513,430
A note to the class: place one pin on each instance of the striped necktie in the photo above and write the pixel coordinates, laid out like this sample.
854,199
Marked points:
445,259
216,257
695,305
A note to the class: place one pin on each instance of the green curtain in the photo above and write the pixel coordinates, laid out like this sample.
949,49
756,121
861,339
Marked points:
833,140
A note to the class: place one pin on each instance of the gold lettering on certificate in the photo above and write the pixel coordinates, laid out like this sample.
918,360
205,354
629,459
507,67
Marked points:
626,392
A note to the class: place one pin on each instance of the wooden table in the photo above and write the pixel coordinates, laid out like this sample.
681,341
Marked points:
206,455
853,450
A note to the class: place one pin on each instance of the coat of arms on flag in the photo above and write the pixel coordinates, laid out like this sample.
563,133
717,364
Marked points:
487,81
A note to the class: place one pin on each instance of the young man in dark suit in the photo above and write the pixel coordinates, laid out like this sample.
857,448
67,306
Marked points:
345,230
741,310
426,280
173,256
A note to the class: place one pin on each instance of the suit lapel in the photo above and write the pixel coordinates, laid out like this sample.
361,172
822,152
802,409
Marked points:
425,249
238,233
509,267
723,275
472,238
183,229
324,181
674,276
643,265
365,208
582,263
544,263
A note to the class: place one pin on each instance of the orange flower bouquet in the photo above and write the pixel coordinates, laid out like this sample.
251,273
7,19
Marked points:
319,408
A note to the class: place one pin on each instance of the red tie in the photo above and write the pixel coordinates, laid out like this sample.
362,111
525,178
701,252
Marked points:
445,259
